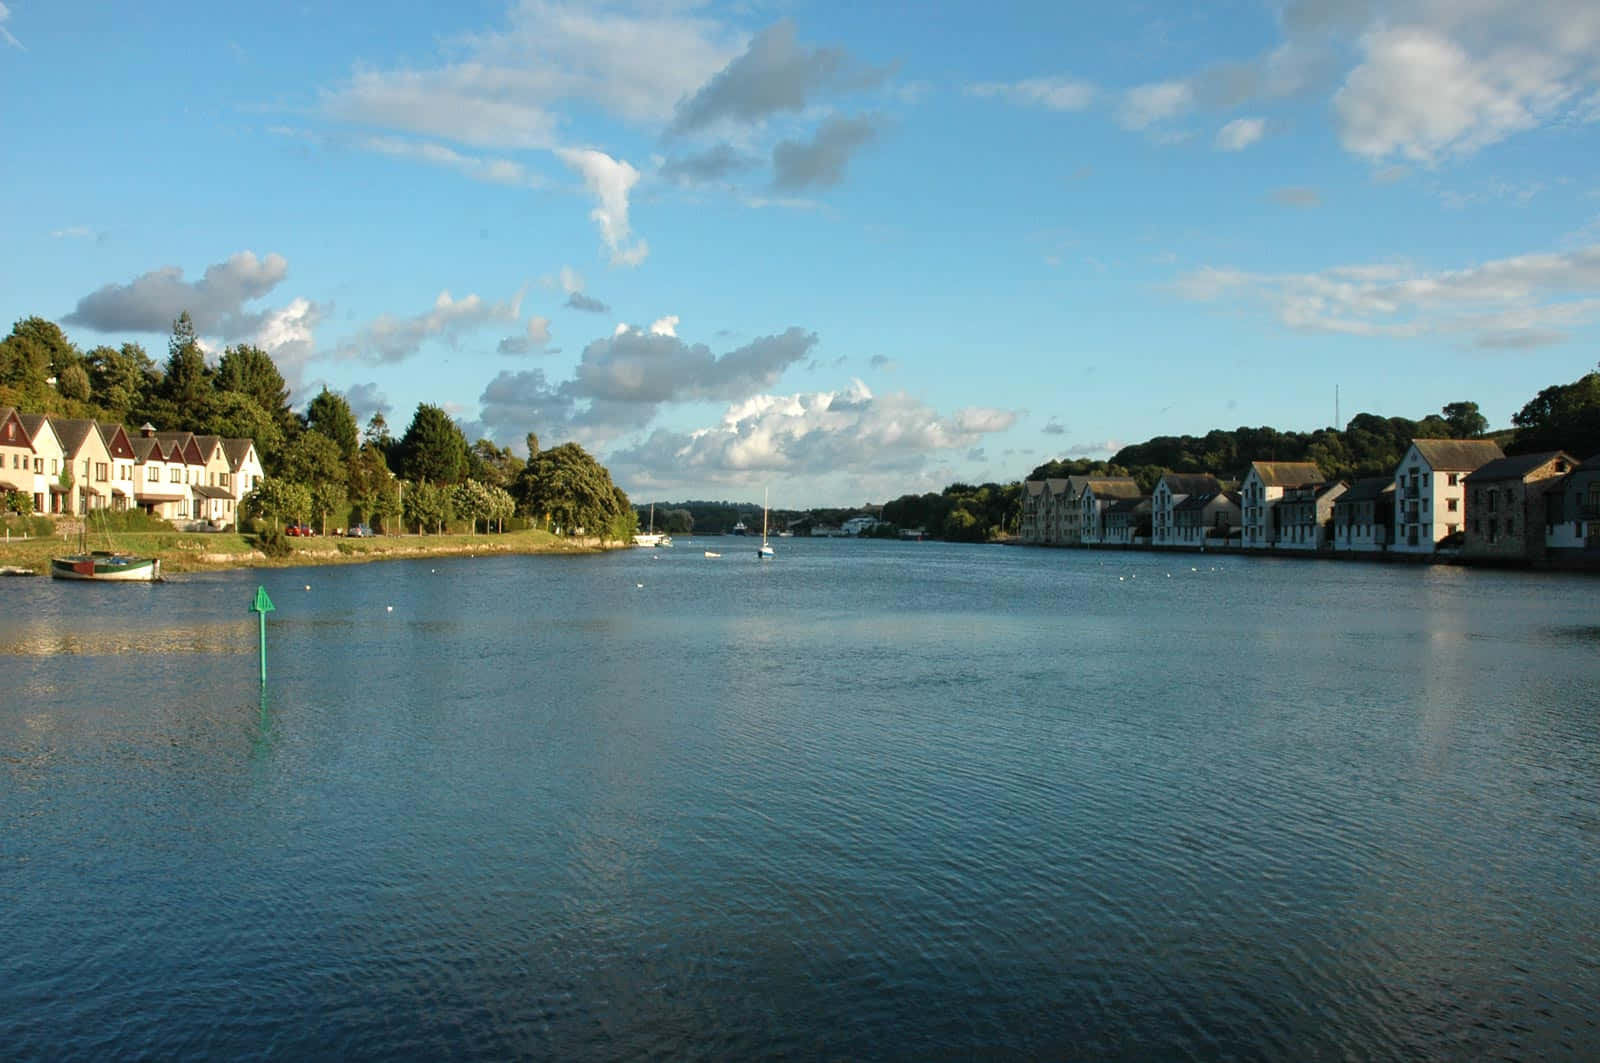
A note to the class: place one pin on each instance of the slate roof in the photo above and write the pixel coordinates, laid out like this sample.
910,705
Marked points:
143,445
207,491
31,422
1202,500
1287,473
1457,455
1516,468
1192,483
1368,489
1129,505
1121,487
73,432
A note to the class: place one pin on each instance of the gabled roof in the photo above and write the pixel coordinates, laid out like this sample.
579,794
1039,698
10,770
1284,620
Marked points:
207,491
1287,473
1518,467
1033,487
209,444
1118,487
35,424
117,439
74,432
1368,489
1130,505
147,449
1191,483
14,430
1205,498
1457,455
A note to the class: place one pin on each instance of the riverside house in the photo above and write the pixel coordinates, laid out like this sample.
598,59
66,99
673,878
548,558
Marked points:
1263,485
1363,517
1572,512
1098,495
50,495
88,458
1304,515
1170,490
16,453
1126,522
1430,495
1506,502
1206,519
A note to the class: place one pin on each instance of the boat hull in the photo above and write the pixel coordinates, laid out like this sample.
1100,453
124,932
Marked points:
113,568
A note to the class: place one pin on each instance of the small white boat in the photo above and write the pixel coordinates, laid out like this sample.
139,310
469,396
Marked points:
764,552
712,553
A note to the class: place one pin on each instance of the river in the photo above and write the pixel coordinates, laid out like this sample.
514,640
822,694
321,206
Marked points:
870,800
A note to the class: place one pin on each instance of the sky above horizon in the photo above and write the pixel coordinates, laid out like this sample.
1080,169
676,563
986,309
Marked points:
826,249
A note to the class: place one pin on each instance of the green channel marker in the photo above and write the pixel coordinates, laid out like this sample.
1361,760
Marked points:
261,607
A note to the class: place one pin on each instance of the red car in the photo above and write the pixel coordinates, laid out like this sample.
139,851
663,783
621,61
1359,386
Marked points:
302,530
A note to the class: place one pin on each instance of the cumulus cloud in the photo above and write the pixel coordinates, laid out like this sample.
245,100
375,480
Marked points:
1523,301
845,431
534,338
609,181
215,302
1085,450
588,304
1053,93
656,366
391,339
1055,428
713,164
776,74
1241,133
1147,105
505,87
366,400
822,159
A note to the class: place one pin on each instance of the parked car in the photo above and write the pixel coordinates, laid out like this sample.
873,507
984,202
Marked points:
359,531
301,530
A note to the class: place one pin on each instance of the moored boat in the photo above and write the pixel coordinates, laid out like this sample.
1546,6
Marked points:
105,567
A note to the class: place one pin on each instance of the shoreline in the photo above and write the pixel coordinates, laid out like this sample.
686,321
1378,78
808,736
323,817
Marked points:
185,552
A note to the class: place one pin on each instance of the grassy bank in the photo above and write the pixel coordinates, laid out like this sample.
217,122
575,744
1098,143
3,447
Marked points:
199,552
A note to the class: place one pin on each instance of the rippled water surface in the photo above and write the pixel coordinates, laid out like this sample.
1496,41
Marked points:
873,800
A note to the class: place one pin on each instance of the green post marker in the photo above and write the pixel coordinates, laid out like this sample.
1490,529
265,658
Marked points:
261,607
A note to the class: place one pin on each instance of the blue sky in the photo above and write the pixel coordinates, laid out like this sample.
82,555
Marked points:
845,253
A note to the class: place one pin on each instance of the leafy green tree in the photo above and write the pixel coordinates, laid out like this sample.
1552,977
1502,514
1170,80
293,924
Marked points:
29,356
374,491
564,487
19,502
120,377
426,506
433,448
235,415
491,464
185,389
327,499
1561,417
73,383
1464,420
377,432
313,459
473,501
330,415
278,500
249,370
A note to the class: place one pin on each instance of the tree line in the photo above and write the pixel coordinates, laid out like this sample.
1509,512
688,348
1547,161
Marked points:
319,465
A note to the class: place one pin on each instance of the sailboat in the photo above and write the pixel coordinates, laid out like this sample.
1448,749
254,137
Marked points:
104,566
764,551
650,538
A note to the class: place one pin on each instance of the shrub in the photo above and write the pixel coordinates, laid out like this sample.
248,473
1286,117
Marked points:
273,542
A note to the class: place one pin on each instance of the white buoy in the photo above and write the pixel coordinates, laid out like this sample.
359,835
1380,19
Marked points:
308,586
388,608
638,584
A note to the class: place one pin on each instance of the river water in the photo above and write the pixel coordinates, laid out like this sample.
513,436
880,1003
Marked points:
871,800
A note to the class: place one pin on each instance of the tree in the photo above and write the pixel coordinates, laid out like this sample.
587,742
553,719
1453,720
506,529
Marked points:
235,415
35,350
473,500
278,500
327,498
330,415
1561,417
377,432
73,383
426,506
120,377
491,464
433,448
1464,420
313,459
565,487
373,490
249,370
185,389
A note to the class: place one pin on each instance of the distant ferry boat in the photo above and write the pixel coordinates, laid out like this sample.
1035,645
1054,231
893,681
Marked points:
740,529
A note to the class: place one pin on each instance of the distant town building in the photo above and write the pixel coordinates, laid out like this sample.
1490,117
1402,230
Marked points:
1506,505
1429,496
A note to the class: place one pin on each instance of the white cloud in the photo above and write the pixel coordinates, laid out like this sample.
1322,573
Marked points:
665,326
509,84
392,339
609,181
534,338
73,232
1055,93
850,430
5,34
1520,301
1241,133
1148,105
215,302
491,170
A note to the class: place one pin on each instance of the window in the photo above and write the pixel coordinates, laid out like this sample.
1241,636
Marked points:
177,476
153,474
38,465
222,479
100,472
1454,479
1451,504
